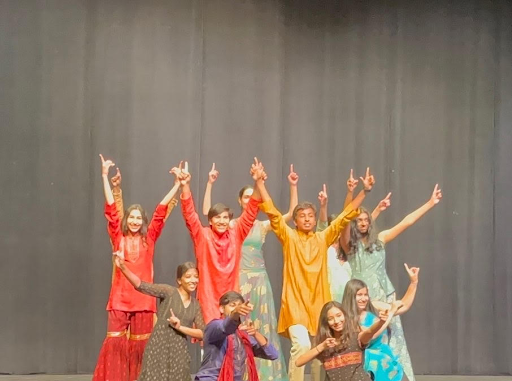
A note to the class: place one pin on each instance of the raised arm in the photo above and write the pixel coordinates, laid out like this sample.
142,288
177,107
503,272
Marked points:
376,329
170,207
343,220
161,213
244,224
293,180
351,186
323,219
410,294
277,222
390,234
381,206
207,200
187,204
118,193
105,166
314,352
169,196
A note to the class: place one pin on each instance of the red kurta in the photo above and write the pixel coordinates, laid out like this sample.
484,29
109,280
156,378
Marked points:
218,256
138,258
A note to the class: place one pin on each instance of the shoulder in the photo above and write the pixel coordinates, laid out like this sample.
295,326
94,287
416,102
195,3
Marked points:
213,325
369,318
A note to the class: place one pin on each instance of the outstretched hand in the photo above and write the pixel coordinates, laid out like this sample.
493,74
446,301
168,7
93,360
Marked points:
293,178
368,180
383,315
437,195
248,327
213,174
181,173
105,165
330,342
413,273
116,179
118,259
258,171
174,321
385,203
243,309
351,182
322,196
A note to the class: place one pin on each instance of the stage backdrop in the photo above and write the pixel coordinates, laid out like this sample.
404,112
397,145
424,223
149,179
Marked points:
420,91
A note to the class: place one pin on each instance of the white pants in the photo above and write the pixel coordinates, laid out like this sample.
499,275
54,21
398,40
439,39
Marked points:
301,343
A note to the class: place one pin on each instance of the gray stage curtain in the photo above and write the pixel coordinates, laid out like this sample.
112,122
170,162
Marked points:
419,91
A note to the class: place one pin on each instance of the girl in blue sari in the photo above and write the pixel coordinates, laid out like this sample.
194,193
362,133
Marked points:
379,361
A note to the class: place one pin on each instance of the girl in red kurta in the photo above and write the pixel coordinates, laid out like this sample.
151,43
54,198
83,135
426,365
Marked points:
121,356
218,246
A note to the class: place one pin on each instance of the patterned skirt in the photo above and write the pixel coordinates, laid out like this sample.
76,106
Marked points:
255,286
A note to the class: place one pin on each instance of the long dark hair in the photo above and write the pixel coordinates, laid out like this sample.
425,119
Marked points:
324,331
349,302
145,222
341,255
372,242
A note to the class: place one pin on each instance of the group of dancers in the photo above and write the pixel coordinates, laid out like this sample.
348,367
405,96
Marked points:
338,305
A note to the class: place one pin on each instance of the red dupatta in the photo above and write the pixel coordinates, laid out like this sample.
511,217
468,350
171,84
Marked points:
227,369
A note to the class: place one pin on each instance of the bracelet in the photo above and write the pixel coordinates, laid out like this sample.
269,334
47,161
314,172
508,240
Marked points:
367,190
318,350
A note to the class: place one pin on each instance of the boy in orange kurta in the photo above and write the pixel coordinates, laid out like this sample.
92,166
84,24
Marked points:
305,279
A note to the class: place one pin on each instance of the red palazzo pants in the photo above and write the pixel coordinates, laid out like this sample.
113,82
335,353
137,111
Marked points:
120,357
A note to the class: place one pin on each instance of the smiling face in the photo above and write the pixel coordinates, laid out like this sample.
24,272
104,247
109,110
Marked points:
362,299
246,196
336,319
134,221
220,223
189,280
305,220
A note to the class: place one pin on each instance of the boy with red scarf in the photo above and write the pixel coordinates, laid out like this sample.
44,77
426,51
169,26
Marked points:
230,346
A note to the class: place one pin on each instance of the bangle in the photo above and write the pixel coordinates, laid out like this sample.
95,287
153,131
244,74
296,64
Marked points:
367,190
318,350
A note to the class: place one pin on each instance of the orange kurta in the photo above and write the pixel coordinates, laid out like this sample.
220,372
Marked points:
305,279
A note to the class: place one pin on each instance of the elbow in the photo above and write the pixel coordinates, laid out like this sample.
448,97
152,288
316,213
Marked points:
299,362
402,310
200,335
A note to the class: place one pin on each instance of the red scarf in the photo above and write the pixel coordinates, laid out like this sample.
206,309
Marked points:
228,366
